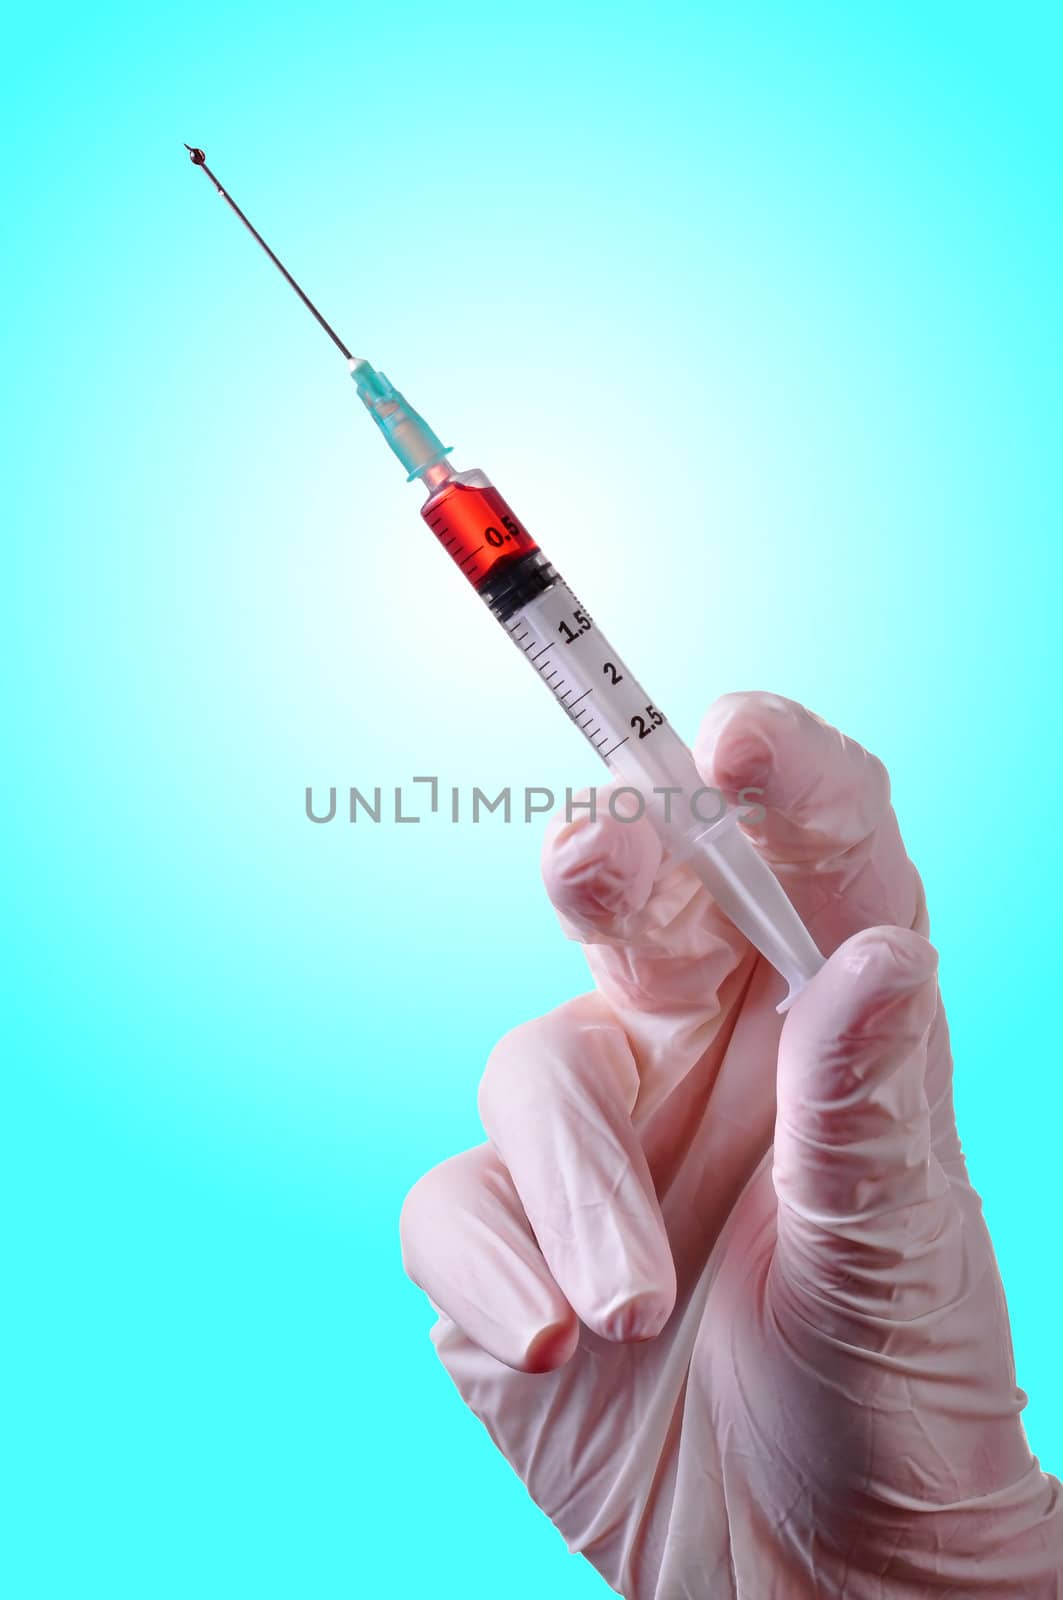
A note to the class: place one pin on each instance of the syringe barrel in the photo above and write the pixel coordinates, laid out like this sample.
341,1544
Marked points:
601,695
657,776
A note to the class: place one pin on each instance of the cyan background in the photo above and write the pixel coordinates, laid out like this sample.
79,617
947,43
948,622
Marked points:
754,315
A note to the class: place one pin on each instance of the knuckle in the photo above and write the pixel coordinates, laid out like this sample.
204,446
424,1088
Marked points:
442,1194
575,1055
421,1201
518,1069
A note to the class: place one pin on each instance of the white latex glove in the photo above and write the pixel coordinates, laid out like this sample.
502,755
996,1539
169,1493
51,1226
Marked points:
718,1284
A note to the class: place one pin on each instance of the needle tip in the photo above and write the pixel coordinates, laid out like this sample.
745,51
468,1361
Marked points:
198,156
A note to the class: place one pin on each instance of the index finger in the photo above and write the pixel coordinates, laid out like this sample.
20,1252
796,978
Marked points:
828,828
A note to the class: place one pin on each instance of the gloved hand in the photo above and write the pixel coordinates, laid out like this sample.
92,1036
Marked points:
718,1284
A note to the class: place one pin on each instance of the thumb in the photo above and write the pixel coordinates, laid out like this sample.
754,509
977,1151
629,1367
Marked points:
862,1201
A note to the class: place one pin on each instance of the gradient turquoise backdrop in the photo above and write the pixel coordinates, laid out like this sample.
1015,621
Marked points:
754,314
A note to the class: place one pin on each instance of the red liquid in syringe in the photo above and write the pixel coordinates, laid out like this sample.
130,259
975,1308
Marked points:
477,529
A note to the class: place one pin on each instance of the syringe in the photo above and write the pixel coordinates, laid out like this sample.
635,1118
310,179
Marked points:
588,679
